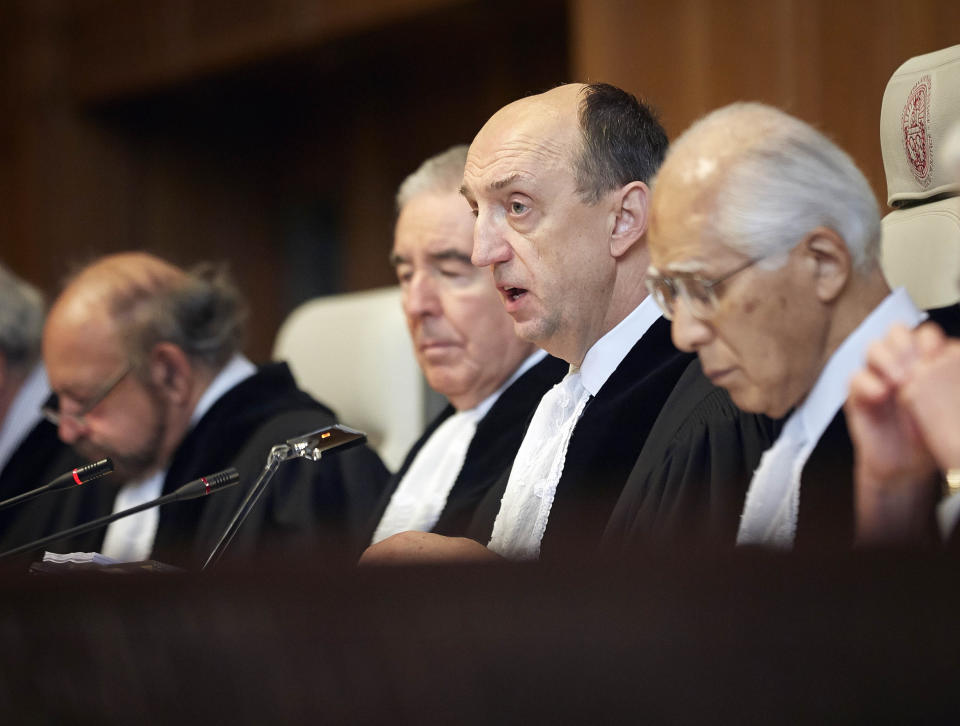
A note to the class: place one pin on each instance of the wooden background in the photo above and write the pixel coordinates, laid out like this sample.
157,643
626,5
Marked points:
273,133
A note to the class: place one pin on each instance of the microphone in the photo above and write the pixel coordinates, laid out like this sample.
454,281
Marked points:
201,487
80,475
191,490
310,446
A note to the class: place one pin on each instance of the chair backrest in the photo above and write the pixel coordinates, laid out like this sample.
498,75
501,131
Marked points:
353,353
920,249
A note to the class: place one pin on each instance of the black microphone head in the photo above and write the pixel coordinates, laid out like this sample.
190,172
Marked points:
222,478
88,473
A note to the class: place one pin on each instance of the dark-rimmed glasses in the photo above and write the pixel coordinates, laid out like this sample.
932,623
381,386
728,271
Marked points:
53,414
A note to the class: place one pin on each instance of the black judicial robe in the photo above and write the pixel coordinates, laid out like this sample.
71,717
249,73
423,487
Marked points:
40,458
696,496
690,480
604,446
318,507
491,451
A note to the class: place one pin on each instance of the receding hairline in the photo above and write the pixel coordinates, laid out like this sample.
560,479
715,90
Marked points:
99,288
557,132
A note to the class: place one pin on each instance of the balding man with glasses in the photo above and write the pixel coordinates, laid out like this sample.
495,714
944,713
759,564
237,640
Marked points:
764,245
145,362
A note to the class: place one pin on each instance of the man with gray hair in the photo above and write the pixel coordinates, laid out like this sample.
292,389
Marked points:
465,345
30,453
764,245
145,360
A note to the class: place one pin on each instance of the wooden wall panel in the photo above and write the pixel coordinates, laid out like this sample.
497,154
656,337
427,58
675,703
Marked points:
823,60
170,41
271,135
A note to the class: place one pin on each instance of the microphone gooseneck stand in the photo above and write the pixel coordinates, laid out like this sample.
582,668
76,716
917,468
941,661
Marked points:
278,454
309,446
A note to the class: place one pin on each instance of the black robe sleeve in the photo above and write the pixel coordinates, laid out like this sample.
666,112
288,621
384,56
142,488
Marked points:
39,458
689,482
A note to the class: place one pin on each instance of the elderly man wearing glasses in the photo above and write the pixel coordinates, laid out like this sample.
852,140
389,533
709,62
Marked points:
145,362
764,247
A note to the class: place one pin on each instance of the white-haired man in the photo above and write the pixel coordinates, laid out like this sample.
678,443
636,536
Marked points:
764,243
465,345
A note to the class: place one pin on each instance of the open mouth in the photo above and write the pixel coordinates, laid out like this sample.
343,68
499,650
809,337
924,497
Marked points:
514,293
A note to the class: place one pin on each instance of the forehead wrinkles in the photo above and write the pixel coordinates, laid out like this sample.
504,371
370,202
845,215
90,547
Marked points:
523,153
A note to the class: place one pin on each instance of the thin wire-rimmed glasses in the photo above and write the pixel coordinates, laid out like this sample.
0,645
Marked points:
53,414
698,293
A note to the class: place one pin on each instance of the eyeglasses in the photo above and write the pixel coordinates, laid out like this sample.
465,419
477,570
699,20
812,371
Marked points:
698,293
53,414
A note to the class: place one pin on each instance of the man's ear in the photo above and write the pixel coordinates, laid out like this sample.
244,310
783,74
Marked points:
831,262
630,222
171,372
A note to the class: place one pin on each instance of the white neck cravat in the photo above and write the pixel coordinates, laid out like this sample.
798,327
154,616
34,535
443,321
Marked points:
773,501
536,471
422,493
131,539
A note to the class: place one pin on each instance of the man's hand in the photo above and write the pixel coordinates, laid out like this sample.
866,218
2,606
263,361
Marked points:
895,471
932,395
409,548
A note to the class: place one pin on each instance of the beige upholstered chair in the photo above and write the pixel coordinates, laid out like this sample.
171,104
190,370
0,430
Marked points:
353,353
921,237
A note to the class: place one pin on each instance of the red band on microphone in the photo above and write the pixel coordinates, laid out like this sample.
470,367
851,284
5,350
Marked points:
76,478
205,483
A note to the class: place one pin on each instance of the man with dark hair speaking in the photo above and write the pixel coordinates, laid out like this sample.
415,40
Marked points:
144,359
559,184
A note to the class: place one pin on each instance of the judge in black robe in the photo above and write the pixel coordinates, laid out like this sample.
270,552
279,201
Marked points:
696,498
603,448
491,450
690,480
40,458
313,508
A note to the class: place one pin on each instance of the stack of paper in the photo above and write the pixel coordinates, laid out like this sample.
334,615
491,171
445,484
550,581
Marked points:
78,558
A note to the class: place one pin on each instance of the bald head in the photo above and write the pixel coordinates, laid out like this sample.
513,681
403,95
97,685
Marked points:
758,179
138,300
115,279
607,136
558,184
106,295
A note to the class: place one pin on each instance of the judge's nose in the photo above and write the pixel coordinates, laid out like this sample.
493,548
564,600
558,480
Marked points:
490,246
421,297
69,429
689,332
